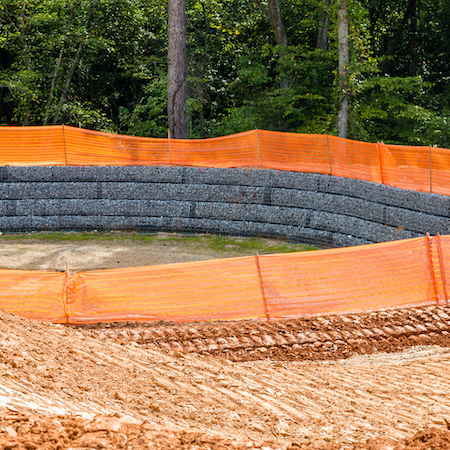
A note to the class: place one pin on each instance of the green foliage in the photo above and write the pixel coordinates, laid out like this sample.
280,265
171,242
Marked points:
304,104
403,105
149,116
39,42
238,79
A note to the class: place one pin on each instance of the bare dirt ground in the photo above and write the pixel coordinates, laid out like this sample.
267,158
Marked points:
82,256
301,339
51,370
92,251
371,381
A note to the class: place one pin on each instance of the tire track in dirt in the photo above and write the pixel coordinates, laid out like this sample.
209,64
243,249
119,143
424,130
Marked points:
311,338
53,369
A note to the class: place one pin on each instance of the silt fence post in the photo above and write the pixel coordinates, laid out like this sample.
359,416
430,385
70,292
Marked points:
433,275
261,284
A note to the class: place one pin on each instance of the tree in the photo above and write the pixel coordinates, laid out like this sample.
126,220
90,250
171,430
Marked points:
103,64
73,66
325,19
89,63
343,67
176,89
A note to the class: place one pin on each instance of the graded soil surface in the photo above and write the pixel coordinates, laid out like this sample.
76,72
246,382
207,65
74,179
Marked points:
332,337
368,381
58,371
96,251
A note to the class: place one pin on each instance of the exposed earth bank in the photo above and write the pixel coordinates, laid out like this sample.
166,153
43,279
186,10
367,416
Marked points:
369,381
32,431
52,372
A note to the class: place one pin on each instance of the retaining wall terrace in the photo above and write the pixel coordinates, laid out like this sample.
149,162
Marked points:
319,209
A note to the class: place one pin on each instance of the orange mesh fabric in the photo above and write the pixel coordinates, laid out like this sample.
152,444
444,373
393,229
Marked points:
406,167
289,151
34,295
32,146
440,164
206,290
389,275
354,159
441,247
361,278
237,150
85,147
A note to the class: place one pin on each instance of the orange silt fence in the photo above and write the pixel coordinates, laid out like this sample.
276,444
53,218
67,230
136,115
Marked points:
34,294
238,150
32,146
376,276
407,167
440,170
442,254
206,290
413,272
85,147
354,159
424,169
290,151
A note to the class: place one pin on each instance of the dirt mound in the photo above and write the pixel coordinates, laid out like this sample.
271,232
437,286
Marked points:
27,432
428,439
31,431
58,371
309,338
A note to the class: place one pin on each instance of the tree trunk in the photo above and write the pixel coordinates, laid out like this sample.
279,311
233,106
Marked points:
322,34
276,22
52,87
56,72
410,10
176,88
23,39
414,59
343,67
66,86
65,90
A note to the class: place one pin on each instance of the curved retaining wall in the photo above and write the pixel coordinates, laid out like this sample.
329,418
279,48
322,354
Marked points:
318,209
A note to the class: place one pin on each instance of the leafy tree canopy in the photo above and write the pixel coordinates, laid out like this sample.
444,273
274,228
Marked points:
102,64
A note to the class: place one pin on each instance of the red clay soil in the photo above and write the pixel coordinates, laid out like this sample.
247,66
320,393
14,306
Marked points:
184,393
21,431
311,338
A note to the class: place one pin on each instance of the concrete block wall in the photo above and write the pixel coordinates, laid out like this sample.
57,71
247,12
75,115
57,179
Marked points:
313,208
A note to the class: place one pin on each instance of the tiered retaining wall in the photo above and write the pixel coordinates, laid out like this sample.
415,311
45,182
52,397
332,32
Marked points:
319,209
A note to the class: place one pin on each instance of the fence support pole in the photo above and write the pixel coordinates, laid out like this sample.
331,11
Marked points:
64,142
66,293
266,310
380,160
170,153
433,275
259,150
329,156
442,267
431,172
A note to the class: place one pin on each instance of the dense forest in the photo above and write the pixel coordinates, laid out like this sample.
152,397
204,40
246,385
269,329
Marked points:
102,64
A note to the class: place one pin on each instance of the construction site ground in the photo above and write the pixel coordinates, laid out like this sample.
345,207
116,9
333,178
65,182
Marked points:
372,381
